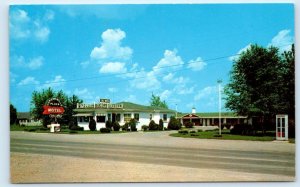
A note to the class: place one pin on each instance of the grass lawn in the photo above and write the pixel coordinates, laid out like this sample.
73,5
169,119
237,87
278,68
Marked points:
63,130
225,136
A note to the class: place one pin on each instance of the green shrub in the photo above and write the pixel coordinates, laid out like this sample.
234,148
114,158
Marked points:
132,125
161,125
116,126
200,130
31,130
145,127
242,129
183,131
105,130
92,125
125,127
189,124
153,126
76,128
43,129
174,124
192,132
73,132
108,124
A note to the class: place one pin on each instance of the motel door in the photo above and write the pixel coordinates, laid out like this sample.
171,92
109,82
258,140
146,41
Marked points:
281,127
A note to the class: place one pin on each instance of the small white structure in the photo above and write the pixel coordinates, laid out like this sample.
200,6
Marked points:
282,131
54,127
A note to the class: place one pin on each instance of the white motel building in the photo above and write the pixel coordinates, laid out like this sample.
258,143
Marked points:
124,111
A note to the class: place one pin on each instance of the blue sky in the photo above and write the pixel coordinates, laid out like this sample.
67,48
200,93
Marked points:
128,52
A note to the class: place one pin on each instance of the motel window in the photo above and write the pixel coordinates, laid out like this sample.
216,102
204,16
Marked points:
165,116
150,117
127,117
86,119
137,116
101,119
118,117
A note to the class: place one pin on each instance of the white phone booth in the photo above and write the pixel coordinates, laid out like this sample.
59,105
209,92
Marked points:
282,131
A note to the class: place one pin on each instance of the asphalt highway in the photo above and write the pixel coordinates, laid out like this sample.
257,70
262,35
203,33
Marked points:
269,161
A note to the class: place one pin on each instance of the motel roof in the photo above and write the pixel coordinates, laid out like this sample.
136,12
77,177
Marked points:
127,107
212,115
23,115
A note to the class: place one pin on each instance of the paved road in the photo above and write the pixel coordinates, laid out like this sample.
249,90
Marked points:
238,156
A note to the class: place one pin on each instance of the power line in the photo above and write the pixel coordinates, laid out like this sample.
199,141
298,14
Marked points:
142,70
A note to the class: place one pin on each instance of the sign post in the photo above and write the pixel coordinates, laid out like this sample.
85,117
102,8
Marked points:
55,110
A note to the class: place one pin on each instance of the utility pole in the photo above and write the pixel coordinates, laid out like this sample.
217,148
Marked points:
219,83
176,110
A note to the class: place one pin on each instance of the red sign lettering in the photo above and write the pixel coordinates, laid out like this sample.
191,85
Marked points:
53,110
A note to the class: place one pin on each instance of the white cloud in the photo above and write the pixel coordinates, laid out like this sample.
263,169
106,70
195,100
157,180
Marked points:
207,91
85,64
18,61
28,81
232,58
113,67
144,80
282,40
18,24
41,33
170,61
84,94
23,27
183,90
112,90
35,63
49,15
131,98
57,82
165,94
168,77
12,77
196,65
111,46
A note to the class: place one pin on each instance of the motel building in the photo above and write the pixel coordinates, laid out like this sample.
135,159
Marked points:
124,111
212,118
121,112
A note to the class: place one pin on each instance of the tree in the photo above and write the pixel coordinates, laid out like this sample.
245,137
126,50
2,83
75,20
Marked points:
70,105
260,78
92,125
39,99
155,101
174,124
13,114
288,82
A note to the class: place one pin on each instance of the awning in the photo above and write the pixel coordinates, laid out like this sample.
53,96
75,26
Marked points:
83,114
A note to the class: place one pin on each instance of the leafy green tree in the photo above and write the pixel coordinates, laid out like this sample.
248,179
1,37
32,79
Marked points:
70,104
261,82
174,124
13,114
155,101
39,99
287,85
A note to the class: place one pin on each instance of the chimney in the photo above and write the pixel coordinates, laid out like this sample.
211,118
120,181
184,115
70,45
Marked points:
193,110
